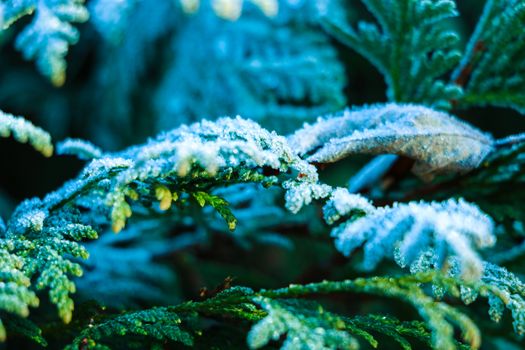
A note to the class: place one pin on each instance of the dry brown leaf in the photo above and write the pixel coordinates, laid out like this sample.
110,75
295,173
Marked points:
438,142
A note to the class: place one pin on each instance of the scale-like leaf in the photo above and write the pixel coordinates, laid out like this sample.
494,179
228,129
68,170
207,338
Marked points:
304,328
25,132
492,71
48,37
412,45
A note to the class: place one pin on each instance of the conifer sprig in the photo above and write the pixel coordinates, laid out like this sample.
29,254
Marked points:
306,324
411,45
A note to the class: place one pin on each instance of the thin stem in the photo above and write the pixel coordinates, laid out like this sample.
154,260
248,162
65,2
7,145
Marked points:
510,140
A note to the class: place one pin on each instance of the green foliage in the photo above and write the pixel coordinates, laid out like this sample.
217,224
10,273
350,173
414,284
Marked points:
159,324
302,326
218,204
44,245
396,330
16,297
411,45
486,71
308,325
503,289
17,325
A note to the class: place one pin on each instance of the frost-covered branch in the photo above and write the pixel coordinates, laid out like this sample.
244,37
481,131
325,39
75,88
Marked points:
47,38
80,148
404,232
187,167
180,167
25,132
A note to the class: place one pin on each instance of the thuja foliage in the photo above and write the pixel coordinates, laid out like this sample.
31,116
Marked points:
23,131
271,227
